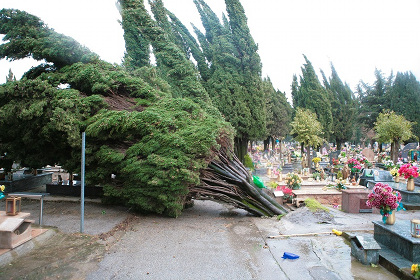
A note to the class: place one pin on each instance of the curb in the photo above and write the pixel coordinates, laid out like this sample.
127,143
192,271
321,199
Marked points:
23,249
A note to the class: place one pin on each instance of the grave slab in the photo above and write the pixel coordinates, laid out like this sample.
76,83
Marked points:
397,237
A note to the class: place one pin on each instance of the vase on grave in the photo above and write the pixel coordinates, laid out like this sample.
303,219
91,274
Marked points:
410,184
397,179
390,220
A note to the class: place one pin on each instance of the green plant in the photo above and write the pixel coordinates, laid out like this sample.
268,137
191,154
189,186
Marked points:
341,184
280,216
339,175
316,175
293,181
415,270
272,185
248,162
314,205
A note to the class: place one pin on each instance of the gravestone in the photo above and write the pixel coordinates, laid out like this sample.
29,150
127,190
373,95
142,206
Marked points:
334,155
369,154
406,149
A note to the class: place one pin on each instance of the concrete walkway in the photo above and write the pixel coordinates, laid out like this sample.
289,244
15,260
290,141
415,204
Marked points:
214,241
211,241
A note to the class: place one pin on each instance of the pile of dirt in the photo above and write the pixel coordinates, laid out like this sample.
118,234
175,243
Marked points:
303,215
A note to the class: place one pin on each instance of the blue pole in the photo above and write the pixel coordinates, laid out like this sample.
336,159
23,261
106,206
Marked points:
82,190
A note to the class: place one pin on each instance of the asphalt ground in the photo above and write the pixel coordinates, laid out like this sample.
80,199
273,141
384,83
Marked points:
208,241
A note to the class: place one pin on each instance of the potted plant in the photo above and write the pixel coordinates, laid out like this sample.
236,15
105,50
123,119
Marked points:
341,184
395,174
293,181
409,172
384,198
355,166
316,161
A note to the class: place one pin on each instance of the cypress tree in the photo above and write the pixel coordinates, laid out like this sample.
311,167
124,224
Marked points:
404,98
313,96
343,108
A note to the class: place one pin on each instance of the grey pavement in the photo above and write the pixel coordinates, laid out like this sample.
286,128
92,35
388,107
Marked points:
215,241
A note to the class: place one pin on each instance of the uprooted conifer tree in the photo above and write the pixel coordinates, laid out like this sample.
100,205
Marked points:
154,128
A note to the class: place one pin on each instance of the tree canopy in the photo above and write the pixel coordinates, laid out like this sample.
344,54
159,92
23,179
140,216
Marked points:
393,128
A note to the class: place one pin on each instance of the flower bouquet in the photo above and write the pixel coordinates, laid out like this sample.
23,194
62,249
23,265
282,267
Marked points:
293,181
316,160
409,171
394,172
385,199
341,184
354,165
287,193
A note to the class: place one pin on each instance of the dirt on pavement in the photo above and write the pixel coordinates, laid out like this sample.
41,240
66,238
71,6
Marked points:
69,254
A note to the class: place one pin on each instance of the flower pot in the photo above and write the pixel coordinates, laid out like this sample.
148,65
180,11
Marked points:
397,179
410,184
390,220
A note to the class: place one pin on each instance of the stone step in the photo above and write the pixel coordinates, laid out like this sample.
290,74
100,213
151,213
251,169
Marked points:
395,263
411,206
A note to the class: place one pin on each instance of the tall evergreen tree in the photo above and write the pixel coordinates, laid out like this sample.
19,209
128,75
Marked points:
372,99
342,106
279,112
404,98
232,71
313,96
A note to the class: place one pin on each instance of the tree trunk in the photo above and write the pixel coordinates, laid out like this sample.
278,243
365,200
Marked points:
267,144
227,180
273,144
280,152
394,151
241,148
308,154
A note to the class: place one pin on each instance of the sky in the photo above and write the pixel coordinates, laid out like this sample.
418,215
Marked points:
356,36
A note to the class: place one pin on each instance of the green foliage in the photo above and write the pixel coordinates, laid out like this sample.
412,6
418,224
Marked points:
172,142
311,95
279,111
343,108
404,99
391,127
306,128
43,123
230,67
26,35
248,162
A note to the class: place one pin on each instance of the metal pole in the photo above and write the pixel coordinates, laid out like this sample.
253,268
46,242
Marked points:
82,190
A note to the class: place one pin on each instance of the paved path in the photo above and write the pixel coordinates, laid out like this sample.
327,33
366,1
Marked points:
211,241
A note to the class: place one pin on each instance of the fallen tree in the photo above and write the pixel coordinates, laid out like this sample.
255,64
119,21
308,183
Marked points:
162,150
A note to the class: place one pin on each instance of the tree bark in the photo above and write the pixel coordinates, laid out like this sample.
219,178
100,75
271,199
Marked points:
308,154
241,148
227,180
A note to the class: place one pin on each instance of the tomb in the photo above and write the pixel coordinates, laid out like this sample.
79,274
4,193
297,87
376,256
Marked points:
354,201
365,249
397,237
14,230
24,182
